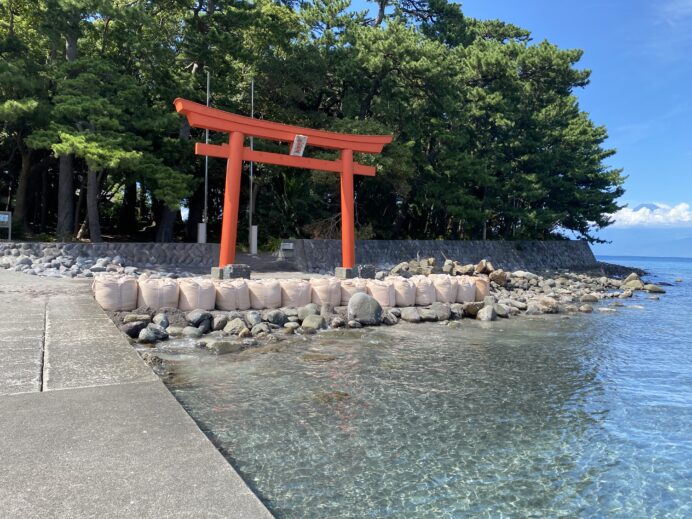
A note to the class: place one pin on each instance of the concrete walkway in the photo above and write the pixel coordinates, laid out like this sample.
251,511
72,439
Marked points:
86,429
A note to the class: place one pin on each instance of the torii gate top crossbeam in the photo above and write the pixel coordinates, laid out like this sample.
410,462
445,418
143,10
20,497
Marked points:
235,152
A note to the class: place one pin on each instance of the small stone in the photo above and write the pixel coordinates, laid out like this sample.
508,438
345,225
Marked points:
276,317
235,326
161,319
291,325
195,317
312,323
219,322
337,322
132,329
253,318
389,319
221,347
626,294
501,310
260,328
586,309
487,313
471,309
191,332
132,318
410,314
152,333
309,309
354,324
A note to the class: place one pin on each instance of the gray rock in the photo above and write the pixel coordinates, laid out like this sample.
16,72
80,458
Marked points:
456,310
291,326
548,305
442,311
487,313
389,319
312,323
499,277
309,309
489,300
133,318
162,319
130,270
219,322
471,309
634,284
235,326
589,298
586,309
152,333
276,317
427,314
654,289
501,310
364,309
632,277
192,332
23,260
337,322
327,310
222,347
396,312
410,314
260,328
253,317
354,324
132,329
195,317
534,309
175,331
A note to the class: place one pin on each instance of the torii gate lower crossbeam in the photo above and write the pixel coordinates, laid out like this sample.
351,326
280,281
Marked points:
238,127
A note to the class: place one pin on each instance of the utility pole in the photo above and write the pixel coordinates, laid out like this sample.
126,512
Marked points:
252,239
202,227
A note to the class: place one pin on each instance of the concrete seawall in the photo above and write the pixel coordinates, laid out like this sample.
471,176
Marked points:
539,256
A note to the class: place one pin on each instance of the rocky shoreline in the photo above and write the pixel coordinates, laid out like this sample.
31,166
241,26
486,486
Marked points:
511,295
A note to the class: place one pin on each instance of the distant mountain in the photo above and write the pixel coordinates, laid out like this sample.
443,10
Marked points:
652,207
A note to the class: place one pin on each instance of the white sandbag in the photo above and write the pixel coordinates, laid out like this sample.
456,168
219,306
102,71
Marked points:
425,290
325,290
196,293
295,292
404,291
445,288
482,288
382,291
352,286
115,293
232,294
466,291
157,292
264,293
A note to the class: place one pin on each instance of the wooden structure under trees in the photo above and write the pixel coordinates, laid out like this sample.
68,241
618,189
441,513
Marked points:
235,152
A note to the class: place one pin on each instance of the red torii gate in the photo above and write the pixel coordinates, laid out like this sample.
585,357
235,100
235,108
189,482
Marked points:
235,152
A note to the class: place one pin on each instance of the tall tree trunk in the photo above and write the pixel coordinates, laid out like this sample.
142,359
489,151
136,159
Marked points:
128,212
44,198
66,173
20,206
164,224
93,190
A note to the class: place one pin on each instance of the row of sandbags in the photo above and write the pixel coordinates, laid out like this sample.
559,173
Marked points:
124,293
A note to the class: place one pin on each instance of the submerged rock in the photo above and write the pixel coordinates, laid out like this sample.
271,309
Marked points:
654,289
191,332
318,357
410,314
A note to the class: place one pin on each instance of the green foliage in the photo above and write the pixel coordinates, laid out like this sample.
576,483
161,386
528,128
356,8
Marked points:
489,137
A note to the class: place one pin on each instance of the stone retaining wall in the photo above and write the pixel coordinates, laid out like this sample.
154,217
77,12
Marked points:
202,255
317,255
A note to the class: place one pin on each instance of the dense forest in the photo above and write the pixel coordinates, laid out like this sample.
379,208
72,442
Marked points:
489,139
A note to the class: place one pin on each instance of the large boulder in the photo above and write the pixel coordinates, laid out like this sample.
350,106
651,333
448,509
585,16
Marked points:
276,317
654,289
309,309
364,309
486,313
442,311
410,314
132,329
499,277
471,309
235,326
196,317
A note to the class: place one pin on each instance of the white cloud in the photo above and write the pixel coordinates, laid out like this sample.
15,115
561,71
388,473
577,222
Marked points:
673,12
655,215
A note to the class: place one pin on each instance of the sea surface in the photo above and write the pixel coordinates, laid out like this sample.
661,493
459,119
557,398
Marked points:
548,416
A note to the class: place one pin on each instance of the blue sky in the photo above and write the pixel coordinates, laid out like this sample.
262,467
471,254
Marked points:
640,55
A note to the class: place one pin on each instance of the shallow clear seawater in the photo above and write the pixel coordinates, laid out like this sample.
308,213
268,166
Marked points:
588,416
